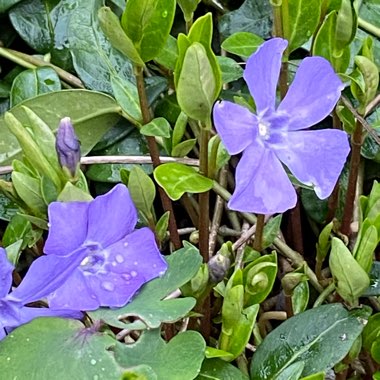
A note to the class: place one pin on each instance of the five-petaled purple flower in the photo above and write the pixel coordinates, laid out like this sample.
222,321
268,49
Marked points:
94,257
13,311
274,135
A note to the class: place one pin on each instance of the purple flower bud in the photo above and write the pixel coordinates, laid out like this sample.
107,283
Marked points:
67,146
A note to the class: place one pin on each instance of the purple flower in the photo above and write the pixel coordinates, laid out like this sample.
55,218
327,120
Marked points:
67,146
94,257
275,135
13,311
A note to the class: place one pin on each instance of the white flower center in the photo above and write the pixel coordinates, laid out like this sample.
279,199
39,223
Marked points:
264,130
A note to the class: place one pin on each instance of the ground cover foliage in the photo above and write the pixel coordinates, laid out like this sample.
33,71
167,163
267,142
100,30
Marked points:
189,189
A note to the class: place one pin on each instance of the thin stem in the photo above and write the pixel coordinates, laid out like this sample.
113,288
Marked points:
368,27
295,258
322,297
258,242
204,216
356,144
155,155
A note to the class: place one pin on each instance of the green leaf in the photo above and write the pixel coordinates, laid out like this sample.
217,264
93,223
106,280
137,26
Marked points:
183,148
18,228
271,230
149,306
319,337
365,245
82,106
179,129
94,58
33,82
159,127
374,283
315,376
346,25
6,4
162,226
253,16
64,342
148,23
139,372
72,193
185,353
300,297
111,27
177,179
371,331
196,86
217,369
242,43
230,69
142,191
325,44
168,54
188,8
324,242
350,278
303,20
292,372
126,95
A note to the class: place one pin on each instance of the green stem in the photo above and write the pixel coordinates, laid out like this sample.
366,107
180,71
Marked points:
258,242
322,297
204,216
368,27
155,155
356,144
295,258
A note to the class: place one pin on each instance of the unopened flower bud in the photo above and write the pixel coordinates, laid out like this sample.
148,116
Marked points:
218,266
67,146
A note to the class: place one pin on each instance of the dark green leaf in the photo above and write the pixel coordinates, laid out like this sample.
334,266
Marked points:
159,127
230,69
217,369
319,337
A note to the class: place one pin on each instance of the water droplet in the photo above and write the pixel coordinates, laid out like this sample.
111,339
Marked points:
125,244
108,286
49,225
282,337
126,276
161,273
8,359
114,263
154,265
164,14
27,339
93,296
119,259
103,369
93,361
135,263
133,273
96,377
343,337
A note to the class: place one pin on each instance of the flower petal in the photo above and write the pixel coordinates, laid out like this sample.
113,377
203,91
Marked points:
74,294
262,185
315,157
6,269
262,72
68,227
236,125
111,216
313,94
46,274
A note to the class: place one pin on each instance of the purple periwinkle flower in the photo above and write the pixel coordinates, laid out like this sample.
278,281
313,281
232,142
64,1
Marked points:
67,146
13,311
276,135
94,256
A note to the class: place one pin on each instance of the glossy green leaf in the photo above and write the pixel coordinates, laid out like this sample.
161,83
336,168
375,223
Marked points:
179,128
111,27
177,179
81,105
94,58
271,230
139,372
188,8
253,16
65,342
292,372
148,23
230,69
168,54
319,337
350,278
303,20
242,43
324,242
71,193
346,25
18,228
185,353
149,305
159,127
315,376
365,245
6,4
300,297
217,369
325,45
142,191
184,148
374,283
162,226
126,95
371,331
33,82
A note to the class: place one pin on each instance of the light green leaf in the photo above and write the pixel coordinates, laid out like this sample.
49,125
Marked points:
319,337
365,245
148,23
230,69
159,127
168,54
292,372
242,43
177,179
185,353
350,278
188,8
183,148
217,369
